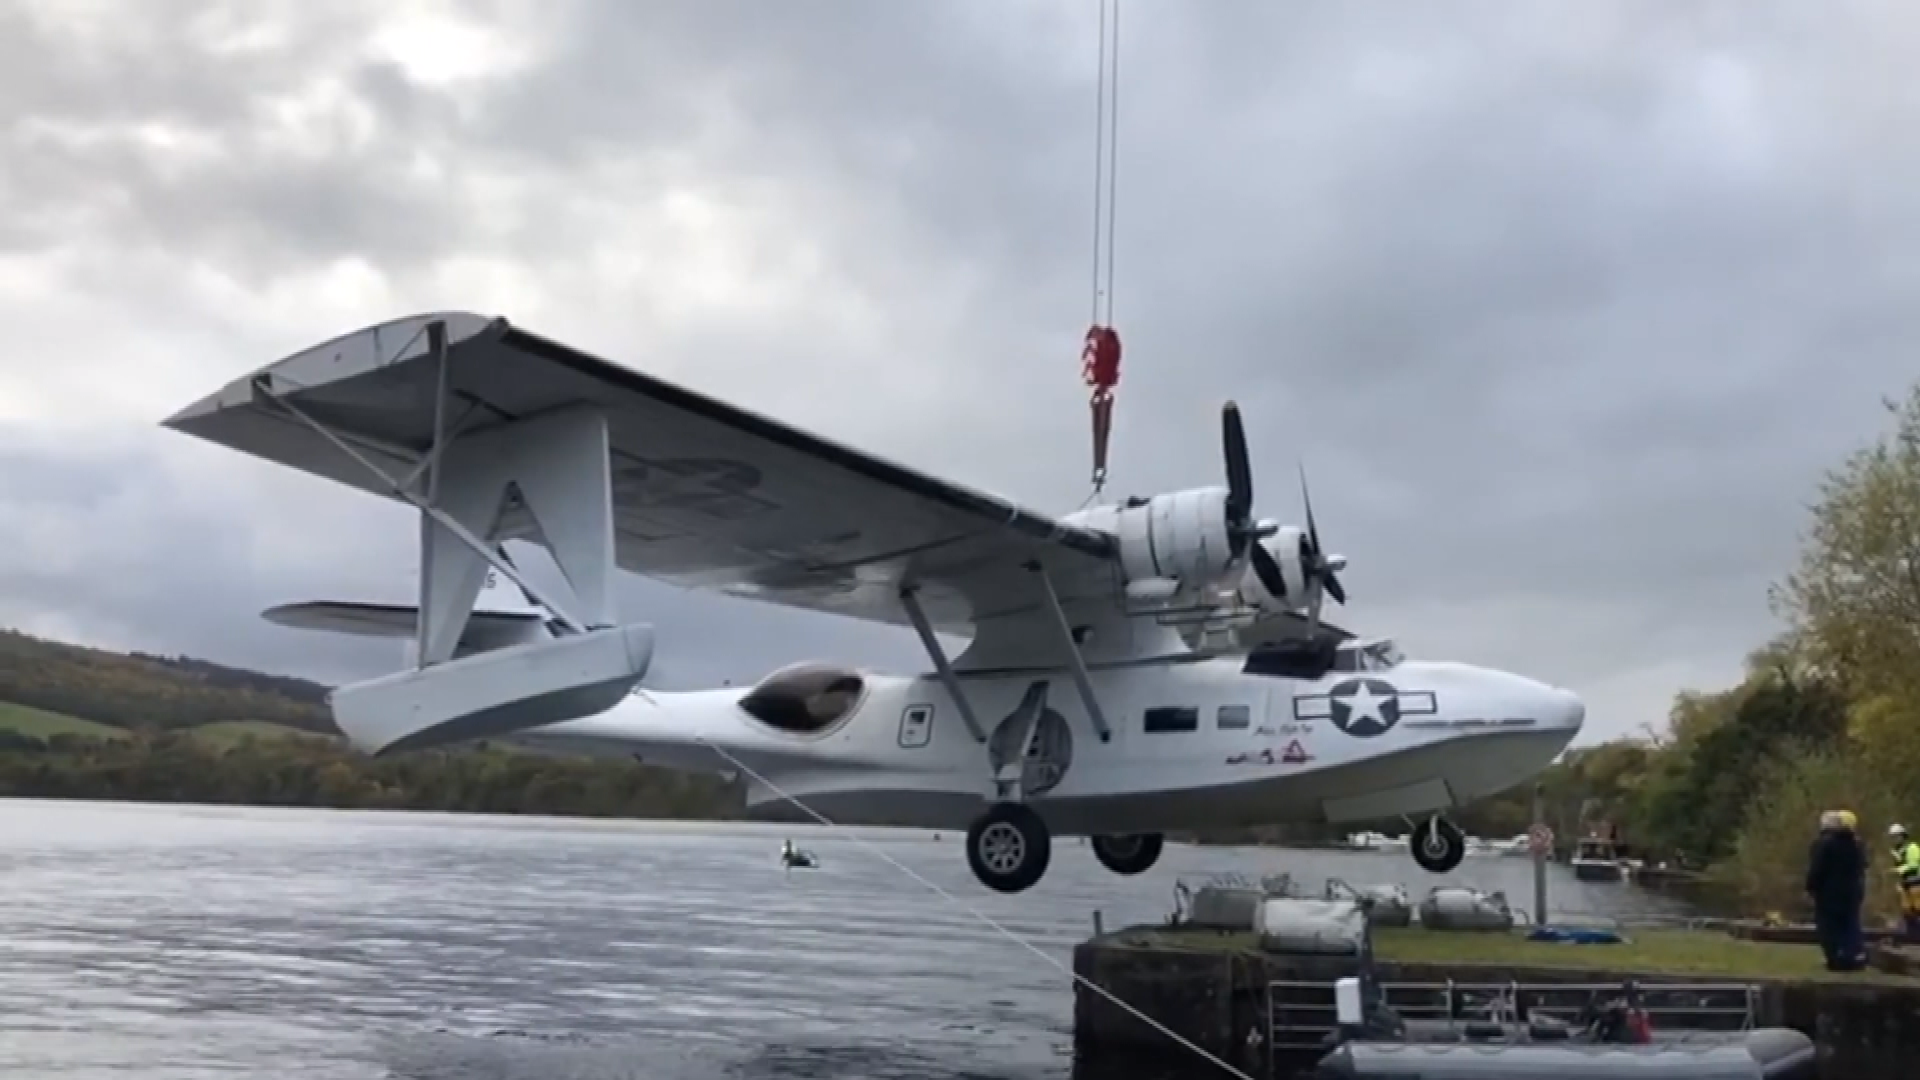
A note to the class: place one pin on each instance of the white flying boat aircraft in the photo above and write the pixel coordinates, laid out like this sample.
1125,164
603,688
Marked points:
1079,707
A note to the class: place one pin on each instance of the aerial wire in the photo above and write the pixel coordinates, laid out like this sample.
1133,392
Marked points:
982,917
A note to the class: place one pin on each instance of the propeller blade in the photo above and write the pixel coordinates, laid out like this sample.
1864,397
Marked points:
1267,569
1306,500
1318,566
1239,469
1334,588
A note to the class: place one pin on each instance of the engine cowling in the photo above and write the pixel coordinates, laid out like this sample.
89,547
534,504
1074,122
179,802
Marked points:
1284,545
1179,539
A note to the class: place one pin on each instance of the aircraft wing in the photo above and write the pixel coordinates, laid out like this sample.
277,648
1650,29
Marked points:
706,495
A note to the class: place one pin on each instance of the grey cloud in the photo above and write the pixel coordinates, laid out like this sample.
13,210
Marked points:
1564,311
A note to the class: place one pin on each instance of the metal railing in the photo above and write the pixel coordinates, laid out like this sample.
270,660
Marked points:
1301,1016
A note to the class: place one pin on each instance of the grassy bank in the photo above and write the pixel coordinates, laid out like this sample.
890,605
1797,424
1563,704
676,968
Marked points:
1703,953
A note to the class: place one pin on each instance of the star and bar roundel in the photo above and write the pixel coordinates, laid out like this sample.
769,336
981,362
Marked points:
1364,707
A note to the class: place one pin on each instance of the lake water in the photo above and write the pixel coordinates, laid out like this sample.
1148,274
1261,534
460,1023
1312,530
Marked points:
169,942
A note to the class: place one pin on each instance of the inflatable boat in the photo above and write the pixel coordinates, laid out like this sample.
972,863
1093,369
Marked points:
1611,1039
1766,1054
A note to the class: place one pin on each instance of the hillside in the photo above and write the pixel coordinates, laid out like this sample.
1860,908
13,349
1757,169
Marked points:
153,693
90,724
41,724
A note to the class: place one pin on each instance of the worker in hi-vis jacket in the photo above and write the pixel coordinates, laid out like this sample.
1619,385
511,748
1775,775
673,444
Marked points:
1906,866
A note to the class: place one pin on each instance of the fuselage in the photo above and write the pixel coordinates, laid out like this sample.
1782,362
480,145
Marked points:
1194,743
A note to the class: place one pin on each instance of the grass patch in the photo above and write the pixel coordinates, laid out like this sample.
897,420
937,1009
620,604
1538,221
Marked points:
1665,952
41,724
1707,954
229,732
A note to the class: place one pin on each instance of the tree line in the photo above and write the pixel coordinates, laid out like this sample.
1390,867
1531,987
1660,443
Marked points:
177,766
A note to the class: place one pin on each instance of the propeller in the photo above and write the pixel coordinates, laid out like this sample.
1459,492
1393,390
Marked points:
1244,533
1314,563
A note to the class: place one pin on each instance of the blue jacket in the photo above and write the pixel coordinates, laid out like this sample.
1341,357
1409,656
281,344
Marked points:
1837,869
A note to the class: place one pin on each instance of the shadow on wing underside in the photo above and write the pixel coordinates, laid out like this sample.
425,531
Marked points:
718,488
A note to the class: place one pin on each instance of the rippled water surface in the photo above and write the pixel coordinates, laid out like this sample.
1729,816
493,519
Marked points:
174,942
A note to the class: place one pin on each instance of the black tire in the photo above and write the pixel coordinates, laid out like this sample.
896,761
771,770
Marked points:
1133,853
1438,845
1008,847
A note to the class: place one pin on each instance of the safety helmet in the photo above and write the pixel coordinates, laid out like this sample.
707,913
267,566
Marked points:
1847,820
1896,830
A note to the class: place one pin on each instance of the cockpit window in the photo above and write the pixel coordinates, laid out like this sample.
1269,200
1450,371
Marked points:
1297,658
805,699
1359,656
1385,654
1292,658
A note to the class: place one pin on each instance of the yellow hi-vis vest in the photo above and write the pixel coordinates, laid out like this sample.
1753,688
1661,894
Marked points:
1909,866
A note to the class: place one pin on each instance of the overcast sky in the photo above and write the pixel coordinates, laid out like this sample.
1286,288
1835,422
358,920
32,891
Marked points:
1565,307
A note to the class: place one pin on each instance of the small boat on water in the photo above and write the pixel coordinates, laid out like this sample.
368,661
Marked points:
1596,859
795,859
1376,842
1516,846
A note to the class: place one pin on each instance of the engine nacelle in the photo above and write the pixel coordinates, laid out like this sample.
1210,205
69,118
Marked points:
1285,548
1179,538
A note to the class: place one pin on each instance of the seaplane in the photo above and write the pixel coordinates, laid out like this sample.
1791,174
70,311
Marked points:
1143,667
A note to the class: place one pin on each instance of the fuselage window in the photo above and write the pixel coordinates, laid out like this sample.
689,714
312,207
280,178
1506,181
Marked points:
1171,718
1233,717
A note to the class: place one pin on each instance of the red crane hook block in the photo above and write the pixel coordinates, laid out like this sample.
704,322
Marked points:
1100,358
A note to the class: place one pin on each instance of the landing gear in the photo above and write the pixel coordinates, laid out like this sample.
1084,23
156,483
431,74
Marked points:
1008,847
1131,854
1438,845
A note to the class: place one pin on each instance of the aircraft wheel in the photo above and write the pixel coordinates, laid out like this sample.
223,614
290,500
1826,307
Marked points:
1438,845
1134,853
1008,847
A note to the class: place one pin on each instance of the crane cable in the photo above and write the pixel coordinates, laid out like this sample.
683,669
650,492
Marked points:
982,917
1100,354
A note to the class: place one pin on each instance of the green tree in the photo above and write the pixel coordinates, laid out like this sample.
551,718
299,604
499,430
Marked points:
1695,799
1854,600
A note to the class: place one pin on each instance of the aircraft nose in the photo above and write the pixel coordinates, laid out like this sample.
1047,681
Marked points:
1564,711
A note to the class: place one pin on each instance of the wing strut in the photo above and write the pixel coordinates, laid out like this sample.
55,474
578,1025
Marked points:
1075,662
910,600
